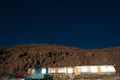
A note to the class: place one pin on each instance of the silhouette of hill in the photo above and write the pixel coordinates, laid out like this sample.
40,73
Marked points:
18,58
2,48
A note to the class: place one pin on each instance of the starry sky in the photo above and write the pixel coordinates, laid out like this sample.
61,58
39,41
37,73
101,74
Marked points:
77,23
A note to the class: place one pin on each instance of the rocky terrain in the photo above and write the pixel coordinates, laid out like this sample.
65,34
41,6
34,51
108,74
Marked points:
17,59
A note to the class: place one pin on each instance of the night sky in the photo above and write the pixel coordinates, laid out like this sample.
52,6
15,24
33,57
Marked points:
77,23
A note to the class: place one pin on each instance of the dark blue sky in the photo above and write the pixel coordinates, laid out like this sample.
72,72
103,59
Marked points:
79,23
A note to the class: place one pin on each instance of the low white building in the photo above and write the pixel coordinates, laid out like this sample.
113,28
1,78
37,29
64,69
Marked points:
102,69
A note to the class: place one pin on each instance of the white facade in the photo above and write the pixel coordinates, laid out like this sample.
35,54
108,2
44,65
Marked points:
65,70
103,69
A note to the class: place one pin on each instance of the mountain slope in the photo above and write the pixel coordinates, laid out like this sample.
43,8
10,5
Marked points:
18,58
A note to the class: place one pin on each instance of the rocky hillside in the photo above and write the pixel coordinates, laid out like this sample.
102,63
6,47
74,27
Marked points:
18,58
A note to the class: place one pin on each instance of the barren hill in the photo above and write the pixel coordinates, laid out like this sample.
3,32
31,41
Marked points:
19,58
